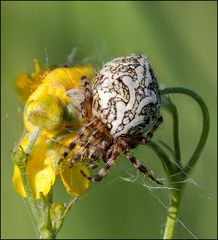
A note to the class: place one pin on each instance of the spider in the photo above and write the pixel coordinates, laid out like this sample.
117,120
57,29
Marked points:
121,105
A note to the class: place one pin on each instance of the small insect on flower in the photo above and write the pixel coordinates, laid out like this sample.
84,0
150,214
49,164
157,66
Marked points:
123,107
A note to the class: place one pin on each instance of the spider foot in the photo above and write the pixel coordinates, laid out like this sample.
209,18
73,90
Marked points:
96,178
137,164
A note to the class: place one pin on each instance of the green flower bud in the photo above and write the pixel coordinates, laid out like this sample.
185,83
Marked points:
57,215
19,157
45,112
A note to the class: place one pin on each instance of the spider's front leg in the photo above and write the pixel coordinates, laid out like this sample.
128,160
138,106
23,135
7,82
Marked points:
86,105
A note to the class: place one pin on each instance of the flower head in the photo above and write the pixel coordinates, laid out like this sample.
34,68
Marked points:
50,108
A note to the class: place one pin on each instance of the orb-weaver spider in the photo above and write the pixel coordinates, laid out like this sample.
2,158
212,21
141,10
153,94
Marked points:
122,104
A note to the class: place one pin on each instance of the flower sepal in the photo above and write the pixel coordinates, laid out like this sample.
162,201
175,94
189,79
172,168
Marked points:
57,216
20,157
58,212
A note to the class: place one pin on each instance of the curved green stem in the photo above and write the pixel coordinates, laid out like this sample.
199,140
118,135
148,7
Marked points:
180,173
206,122
167,164
171,107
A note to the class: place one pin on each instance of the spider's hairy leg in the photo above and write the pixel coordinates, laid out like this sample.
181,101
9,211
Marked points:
84,131
149,135
93,164
103,171
86,106
97,152
92,137
107,156
137,164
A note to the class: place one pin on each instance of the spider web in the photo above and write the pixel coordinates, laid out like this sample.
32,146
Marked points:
139,179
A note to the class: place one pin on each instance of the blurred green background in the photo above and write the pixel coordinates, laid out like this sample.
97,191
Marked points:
179,39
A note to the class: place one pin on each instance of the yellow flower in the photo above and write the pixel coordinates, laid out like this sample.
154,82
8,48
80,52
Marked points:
73,180
49,106
47,102
42,169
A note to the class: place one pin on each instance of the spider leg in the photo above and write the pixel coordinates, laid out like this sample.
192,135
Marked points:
149,135
107,156
93,165
82,132
137,164
103,171
86,106
92,137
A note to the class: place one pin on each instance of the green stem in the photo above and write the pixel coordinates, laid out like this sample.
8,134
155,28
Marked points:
40,208
206,123
171,107
33,137
178,177
167,164
20,158
44,221
30,200
172,215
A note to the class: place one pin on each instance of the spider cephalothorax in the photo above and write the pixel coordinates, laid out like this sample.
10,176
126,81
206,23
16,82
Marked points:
122,105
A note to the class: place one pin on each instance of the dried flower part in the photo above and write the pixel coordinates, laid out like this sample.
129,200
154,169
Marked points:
57,215
26,84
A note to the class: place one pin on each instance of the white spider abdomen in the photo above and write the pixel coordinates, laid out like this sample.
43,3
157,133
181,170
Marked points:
126,96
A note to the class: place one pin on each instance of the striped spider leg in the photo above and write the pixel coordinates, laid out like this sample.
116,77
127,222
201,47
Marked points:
121,145
86,105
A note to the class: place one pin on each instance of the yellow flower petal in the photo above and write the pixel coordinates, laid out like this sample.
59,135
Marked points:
42,168
40,173
69,78
74,182
41,177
